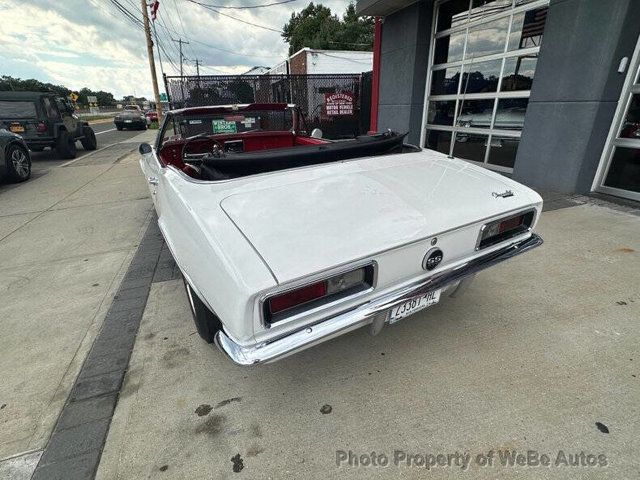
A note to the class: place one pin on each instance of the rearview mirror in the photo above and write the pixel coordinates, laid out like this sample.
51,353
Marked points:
144,148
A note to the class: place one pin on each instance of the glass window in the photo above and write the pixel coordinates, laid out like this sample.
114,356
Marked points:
527,29
449,48
510,113
475,113
518,73
631,123
481,77
452,14
624,172
502,151
441,113
10,109
484,8
487,38
445,81
484,49
470,146
439,140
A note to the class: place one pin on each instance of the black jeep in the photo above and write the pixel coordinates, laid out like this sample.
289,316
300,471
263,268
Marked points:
45,120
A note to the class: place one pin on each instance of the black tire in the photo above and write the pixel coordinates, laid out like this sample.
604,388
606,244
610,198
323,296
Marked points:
66,145
207,323
18,163
119,127
89,141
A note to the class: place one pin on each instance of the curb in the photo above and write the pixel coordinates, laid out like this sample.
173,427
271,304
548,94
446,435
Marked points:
75,446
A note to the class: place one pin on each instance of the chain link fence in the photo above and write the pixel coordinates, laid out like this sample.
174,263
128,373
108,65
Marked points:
338,104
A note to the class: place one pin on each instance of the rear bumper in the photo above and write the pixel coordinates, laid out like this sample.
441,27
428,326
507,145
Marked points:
133,123
364,314
40,142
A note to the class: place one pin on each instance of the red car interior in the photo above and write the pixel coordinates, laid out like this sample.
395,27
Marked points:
171,151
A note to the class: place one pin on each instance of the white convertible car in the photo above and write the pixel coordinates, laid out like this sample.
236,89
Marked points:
287,240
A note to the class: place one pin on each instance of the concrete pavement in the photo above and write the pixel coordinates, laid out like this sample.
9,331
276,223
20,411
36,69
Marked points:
539,355
66,237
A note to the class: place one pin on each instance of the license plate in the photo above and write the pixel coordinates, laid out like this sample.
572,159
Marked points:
413,305
16,128
127,121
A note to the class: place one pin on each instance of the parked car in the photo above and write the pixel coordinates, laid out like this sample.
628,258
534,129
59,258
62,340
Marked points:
286,240
131,116
45,120
15,161
152,116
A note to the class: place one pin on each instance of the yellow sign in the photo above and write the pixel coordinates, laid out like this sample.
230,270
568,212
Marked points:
74,96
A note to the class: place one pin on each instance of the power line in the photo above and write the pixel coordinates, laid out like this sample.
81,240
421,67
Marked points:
231,52
132,18
208,7
242,8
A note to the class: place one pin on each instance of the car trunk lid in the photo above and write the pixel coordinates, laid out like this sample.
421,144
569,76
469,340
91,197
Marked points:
343,213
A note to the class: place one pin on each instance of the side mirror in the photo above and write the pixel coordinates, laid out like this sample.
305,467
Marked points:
316,133
144,148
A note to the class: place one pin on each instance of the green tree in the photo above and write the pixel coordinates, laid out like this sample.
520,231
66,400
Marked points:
31,85
316,27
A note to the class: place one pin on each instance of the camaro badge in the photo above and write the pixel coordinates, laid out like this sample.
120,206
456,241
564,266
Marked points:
432,259
505,194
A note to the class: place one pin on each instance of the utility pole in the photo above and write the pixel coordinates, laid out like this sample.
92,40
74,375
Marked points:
180,42
198,70
152,62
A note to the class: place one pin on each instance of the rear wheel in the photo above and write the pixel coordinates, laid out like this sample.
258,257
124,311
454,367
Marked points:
18,164
88,141
66,145
119,127
207,323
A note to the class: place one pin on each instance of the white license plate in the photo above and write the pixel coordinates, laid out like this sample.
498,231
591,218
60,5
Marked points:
413,305
127,121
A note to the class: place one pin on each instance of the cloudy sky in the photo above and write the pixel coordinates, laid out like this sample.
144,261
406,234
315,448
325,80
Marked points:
91,43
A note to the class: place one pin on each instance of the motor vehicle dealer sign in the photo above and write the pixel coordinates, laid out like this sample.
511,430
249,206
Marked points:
338,103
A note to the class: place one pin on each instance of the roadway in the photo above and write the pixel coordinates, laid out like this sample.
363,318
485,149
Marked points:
107,135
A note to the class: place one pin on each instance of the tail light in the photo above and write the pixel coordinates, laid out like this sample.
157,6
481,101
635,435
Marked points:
504,228
42,127
309,296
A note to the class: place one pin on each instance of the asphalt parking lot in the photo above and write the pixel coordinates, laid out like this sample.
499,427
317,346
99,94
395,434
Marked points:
540,355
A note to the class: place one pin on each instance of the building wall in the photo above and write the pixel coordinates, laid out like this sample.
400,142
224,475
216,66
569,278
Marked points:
338,61
403,71
575,92
298,63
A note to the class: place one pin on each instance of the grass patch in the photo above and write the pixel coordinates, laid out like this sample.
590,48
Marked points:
154,126
90,118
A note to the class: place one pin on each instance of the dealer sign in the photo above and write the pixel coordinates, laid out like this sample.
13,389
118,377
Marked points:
338,103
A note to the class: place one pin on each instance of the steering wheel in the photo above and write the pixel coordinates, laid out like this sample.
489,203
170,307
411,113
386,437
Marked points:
202,136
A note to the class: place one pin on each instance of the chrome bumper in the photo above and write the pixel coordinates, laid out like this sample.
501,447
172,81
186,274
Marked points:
364,314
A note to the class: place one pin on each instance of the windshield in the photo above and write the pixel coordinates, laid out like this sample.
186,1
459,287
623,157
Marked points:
9,109
229,123
131,107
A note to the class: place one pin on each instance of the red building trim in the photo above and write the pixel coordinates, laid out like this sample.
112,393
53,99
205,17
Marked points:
375,81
